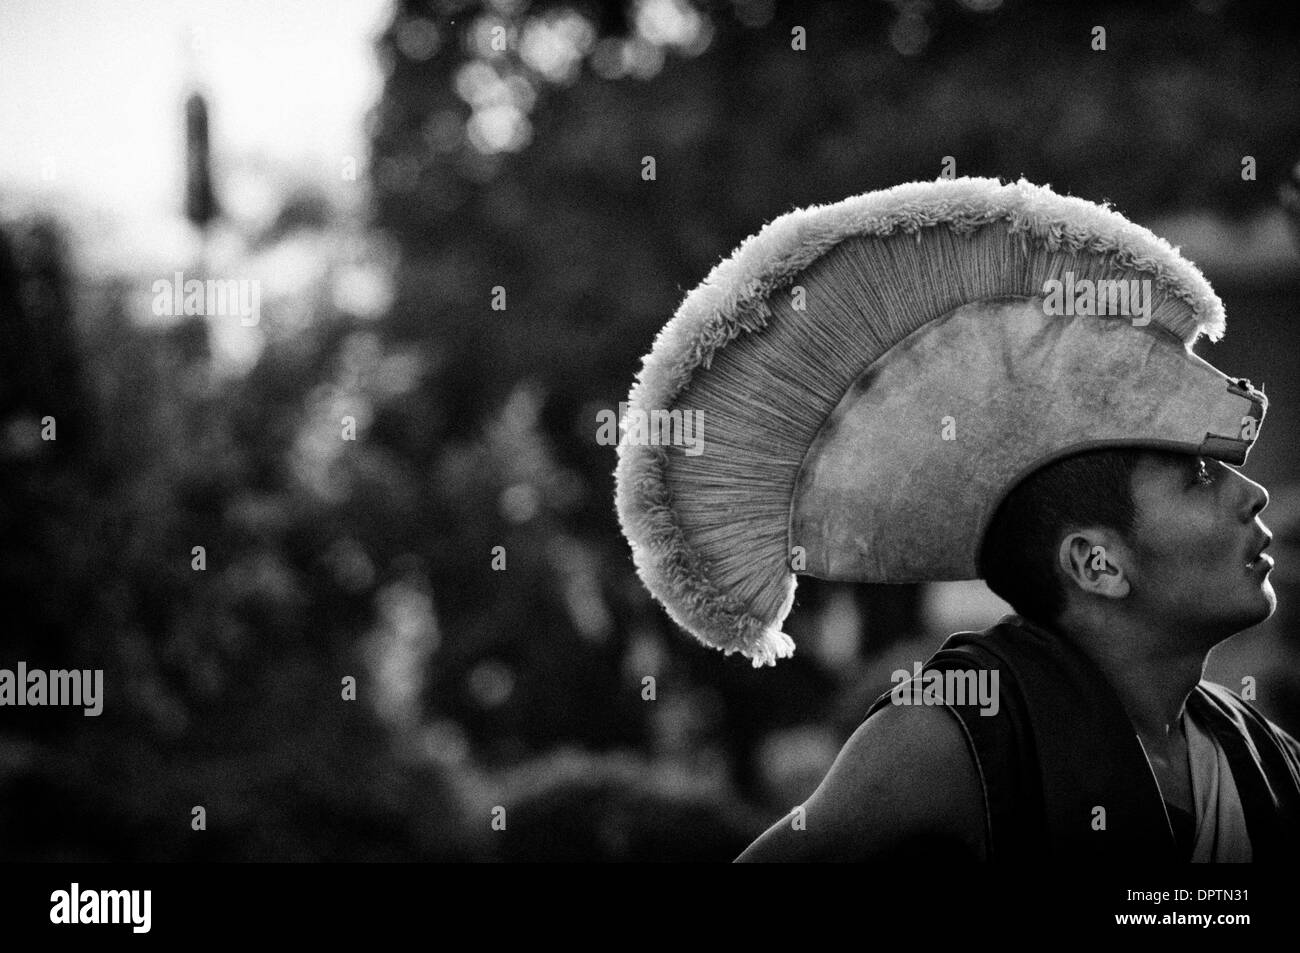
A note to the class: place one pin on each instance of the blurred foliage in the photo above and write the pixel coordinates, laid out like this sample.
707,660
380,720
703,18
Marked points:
516,168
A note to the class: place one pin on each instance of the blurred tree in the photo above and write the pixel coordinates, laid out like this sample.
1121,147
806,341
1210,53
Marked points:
222,684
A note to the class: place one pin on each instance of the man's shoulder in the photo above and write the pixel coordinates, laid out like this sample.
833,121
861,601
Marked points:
907,727
911,768
1251,714
904,787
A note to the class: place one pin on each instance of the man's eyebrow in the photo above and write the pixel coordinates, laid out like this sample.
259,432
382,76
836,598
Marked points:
1185,461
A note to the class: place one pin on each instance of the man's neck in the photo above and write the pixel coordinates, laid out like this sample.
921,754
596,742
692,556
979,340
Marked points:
1152,671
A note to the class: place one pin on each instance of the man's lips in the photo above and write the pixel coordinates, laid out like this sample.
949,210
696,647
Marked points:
1260,559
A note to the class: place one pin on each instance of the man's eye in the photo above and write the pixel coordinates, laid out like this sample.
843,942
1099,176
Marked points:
1201,473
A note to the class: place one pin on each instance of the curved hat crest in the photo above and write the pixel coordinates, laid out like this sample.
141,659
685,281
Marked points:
760,355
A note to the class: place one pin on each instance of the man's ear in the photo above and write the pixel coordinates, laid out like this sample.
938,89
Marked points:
1096,562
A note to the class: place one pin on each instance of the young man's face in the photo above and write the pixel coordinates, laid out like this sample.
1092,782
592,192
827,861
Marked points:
1196,539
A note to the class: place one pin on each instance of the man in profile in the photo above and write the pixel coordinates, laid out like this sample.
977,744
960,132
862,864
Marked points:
1132,564
895,391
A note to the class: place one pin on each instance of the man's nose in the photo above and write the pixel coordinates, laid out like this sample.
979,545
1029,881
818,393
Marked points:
1254,497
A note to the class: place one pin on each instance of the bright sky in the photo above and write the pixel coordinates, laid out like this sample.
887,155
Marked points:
91,91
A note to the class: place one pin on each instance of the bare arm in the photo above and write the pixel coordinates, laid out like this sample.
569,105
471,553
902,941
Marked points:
904,785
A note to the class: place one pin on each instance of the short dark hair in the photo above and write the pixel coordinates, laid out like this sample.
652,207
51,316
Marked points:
1018,555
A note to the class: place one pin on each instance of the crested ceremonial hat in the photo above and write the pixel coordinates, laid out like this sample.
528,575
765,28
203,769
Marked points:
860,384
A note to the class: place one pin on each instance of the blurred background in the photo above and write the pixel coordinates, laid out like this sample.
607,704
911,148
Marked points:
460,265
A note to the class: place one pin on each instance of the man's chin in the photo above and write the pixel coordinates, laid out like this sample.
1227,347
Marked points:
1265,604
1249,613
1270,597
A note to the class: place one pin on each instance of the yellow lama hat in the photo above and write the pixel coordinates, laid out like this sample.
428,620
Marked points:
853,392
